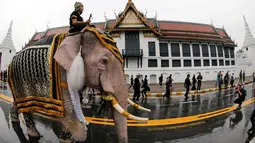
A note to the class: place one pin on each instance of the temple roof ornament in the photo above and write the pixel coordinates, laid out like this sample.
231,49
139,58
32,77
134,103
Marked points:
7,43
156,15
249,39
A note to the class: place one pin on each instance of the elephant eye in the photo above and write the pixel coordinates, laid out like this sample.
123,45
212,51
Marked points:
105,61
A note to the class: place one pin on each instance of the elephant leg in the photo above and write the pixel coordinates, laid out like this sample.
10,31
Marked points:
75,127
31,129
14,114
65,136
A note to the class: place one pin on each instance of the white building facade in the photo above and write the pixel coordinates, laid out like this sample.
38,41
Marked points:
7,50
153,47
169,47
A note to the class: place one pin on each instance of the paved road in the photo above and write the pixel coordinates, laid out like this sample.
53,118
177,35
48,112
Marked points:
205,118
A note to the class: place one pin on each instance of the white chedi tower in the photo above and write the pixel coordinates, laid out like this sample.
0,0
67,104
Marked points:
245,58
7,50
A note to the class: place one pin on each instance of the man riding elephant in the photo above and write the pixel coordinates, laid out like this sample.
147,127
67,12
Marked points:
76,21
47,79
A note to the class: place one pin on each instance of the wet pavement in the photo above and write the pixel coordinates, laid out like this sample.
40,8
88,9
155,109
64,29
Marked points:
217,126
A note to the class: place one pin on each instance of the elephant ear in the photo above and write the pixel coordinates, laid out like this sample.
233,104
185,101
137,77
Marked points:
67,51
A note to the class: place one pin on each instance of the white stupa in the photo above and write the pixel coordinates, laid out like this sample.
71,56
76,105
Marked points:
7,50
245,58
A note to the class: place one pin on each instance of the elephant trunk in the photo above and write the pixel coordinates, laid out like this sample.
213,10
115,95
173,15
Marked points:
121,95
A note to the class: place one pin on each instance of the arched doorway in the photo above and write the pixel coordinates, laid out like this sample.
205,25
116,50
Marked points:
153,79
127,79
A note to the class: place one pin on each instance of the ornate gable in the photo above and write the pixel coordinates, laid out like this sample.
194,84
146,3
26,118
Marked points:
131,19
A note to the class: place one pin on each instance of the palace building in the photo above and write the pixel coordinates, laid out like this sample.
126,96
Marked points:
153,47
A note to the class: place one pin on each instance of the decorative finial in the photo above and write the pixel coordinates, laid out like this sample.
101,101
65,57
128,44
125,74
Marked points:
48,25
211,21
156,16
35,31
106,19
129,1
223,27
116,16
145,13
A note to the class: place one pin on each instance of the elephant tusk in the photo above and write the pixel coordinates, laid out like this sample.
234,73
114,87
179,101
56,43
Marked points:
117,107
138,106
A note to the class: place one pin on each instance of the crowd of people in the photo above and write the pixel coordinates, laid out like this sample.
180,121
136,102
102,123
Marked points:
3,75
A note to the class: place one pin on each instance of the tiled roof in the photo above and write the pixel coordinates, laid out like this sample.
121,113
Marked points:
222,32
169,30
52,31
184,26
37,36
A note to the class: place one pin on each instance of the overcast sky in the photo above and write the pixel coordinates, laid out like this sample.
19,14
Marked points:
28,15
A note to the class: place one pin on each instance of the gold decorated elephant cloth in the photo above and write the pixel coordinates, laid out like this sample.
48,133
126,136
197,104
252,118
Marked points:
34,78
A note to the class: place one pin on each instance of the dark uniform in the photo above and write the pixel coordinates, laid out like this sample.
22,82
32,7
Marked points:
187,86
145,87
136,87
76,28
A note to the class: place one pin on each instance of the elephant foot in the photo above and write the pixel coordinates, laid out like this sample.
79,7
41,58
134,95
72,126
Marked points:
65,141
33,132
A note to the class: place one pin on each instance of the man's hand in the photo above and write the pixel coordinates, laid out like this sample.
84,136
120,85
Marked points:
88,21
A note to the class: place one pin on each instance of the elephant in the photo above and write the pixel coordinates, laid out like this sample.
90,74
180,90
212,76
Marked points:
89,58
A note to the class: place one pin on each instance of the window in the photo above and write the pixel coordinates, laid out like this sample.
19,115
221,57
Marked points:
227,63
221,62
214,63
220,51
152,49
206,63
246,49
196,50
213,51
232,54
187,63
163,49
197,63
10,51
176,63
152,63
226,52
233,63
185,50
205,50
175,49
164,63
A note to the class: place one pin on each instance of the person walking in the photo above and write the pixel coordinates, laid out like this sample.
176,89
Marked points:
199,81
160,80
194,81
243,76
187,86
131,82
226,80
241,96
217,78
167,93
169,85
253,78
136,88
220,81
240,77
145,87
232,79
